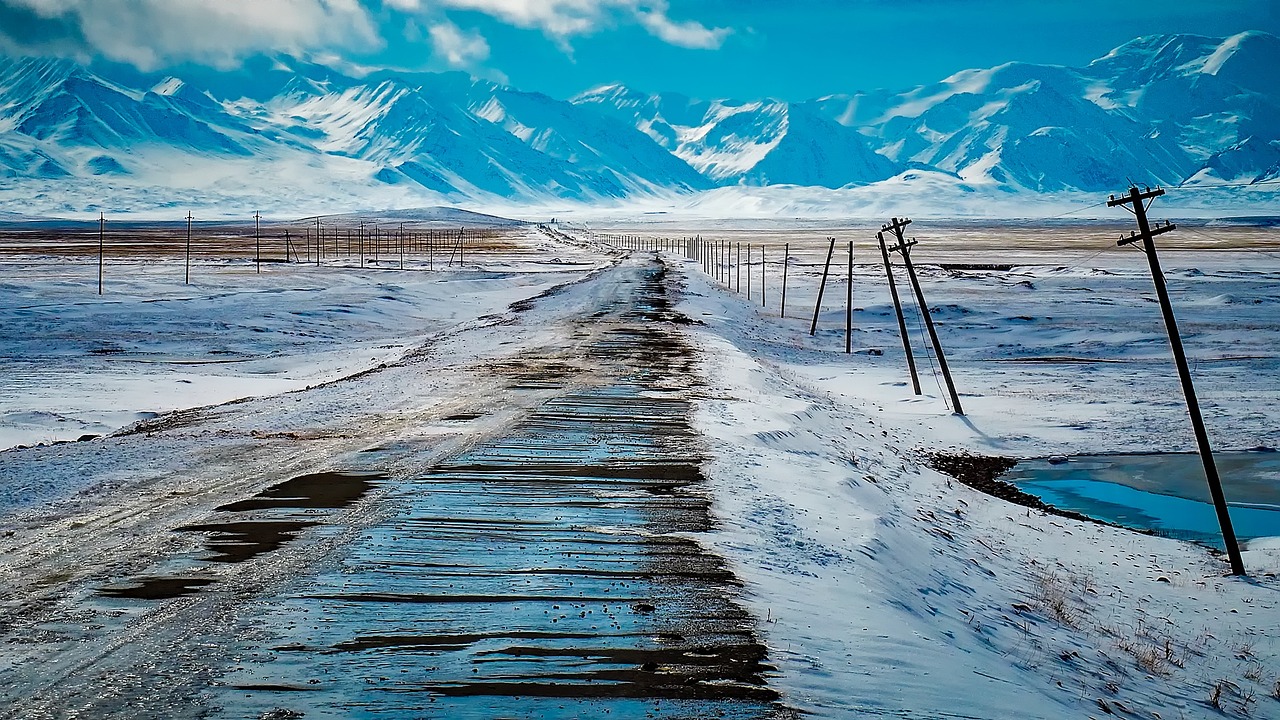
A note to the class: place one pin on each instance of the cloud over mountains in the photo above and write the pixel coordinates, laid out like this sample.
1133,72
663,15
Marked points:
152,34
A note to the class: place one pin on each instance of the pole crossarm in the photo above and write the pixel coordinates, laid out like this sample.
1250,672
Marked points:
904,245
896,226
1134,236
1114,201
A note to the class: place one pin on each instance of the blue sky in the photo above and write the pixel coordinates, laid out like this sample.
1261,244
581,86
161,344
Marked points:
788,49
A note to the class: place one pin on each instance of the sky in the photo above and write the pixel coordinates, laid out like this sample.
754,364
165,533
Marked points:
784,49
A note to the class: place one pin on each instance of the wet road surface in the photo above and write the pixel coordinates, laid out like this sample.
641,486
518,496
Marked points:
546,572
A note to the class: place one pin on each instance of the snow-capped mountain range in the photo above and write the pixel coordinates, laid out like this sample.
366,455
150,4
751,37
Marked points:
1174,110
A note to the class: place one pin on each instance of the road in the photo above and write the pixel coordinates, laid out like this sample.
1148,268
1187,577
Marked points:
504,524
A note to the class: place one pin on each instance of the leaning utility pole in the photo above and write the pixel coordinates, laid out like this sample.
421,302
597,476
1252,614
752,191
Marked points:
897,307
1146,235
188,278
904,247
822,287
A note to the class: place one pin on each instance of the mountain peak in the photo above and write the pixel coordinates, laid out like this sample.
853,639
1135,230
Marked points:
611,93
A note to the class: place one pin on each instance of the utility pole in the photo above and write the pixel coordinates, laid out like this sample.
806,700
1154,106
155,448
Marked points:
1134,203
102,230
187,281
848,306
362,244
904,247
319,243
786,260
822,287
257,239
739,265
902,321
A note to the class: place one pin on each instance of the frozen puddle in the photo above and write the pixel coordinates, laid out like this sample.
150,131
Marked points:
546,573
1165,493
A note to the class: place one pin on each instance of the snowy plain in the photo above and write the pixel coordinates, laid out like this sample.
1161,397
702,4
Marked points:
894,590
883,588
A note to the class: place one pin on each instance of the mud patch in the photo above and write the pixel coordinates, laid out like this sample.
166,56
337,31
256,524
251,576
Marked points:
981,472
278,515
319,490
161,588
237,542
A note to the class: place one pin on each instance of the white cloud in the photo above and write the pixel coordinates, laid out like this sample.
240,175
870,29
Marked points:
563,19
457,48
688,33
151,33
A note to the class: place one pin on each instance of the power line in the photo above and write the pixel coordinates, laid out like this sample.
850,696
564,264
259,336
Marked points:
1224,240
1273,181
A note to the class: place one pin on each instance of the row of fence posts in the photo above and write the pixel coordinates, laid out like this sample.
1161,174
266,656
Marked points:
712,255
368,240
723,261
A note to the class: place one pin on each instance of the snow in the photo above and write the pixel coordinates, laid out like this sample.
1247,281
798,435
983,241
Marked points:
75,363
889,589
881,587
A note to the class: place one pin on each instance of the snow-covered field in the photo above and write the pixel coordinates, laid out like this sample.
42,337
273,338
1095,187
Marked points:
881,587
892,590
75,363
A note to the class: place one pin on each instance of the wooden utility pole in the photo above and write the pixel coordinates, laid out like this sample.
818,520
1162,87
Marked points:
361,244
904,247
257,239
1134,203
897,308
102,231
319,242
764,297
848,305
187,281
748,271
786,260
401,246
822,287
739,266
